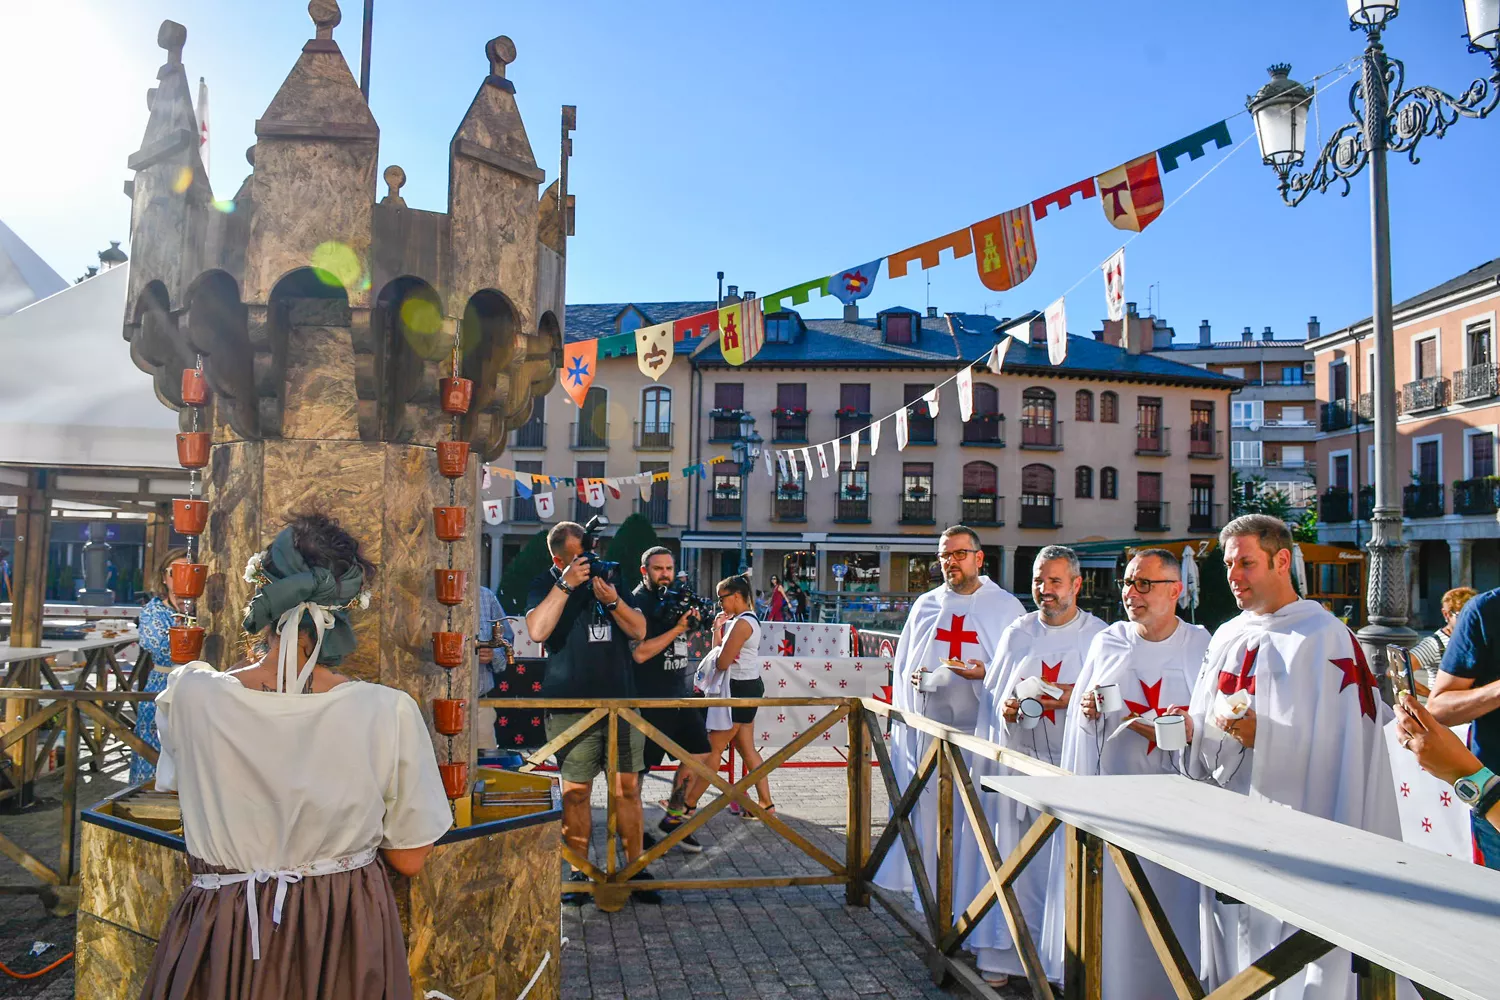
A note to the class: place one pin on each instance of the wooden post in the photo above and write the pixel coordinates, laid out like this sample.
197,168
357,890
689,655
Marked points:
857,825
1084,930
1373,982
158,541
945,843
29,565
67,871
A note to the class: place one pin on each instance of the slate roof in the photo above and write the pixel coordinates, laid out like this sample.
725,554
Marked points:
598,320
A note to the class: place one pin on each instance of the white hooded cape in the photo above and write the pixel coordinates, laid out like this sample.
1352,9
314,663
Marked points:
971,625
1152,676
1318,748
1027,649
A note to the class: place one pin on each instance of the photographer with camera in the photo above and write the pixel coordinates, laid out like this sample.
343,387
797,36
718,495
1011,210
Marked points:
586,626
670,613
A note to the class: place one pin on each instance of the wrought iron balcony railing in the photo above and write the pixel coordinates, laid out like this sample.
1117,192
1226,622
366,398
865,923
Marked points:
981,509
1475,382
1423,500
1424,394
788,506
655,509
1204,442
653,435
1480,495
1336,506
1204,518
1152,515
1041,510
1042,435
531,434
1152,440
914,509
592,435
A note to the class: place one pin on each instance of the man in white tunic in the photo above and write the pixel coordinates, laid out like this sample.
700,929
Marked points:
1038,660
948,639
1285,708
1153,659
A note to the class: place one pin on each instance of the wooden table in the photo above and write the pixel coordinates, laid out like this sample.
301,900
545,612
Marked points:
1425,916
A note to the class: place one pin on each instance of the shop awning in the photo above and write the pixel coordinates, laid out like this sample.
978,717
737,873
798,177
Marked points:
812,540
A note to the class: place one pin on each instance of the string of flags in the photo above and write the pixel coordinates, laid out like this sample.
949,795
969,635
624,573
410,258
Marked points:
541,488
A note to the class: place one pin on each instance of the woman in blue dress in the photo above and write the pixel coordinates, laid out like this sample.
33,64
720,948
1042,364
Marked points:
156,618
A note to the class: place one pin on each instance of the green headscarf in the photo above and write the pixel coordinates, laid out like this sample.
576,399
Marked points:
294,582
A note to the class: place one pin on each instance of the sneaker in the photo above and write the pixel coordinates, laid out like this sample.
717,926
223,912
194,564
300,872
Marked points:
689,843
650,896
576,898
647,841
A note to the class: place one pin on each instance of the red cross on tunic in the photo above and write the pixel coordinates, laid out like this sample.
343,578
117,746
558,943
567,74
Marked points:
1244,680
955,635
1152,704
1050,673
1356,671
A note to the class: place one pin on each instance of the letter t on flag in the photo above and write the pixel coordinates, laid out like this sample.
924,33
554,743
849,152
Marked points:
1114,285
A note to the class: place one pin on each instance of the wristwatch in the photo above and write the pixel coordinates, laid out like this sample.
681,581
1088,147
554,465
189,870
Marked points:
611,605
1472,787
564,586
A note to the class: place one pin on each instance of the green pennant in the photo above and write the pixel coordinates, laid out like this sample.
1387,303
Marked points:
799,294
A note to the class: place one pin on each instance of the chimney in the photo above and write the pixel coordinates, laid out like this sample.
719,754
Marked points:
1205,334
1266,334
732,296
1038,332
750,295
1130,309
1247,335
1314,328
932,312
851,313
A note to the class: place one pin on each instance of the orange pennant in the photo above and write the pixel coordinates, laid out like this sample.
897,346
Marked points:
580,362
926,254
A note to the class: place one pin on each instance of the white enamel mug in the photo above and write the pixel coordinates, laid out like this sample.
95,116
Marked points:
1171,732
1030,713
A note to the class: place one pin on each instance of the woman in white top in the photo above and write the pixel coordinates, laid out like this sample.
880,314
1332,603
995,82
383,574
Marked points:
292,780
737,655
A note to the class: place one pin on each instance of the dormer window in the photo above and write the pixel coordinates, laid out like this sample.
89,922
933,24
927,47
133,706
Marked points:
629,320
898,329
783,328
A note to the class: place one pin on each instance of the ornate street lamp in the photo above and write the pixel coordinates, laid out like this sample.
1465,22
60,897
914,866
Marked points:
1387,117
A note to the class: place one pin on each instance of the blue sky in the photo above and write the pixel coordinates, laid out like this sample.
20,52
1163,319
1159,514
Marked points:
779,141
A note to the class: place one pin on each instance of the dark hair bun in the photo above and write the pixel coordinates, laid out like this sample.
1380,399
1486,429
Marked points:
323,542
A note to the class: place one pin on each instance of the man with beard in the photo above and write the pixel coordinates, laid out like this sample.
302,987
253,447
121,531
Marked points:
1153,659
937,672
1285,708
1038,660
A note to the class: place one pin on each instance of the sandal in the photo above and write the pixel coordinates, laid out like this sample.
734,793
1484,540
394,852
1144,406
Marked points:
769,807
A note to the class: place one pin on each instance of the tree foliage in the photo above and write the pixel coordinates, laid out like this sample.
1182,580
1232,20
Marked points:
634,537
530,562
1250,496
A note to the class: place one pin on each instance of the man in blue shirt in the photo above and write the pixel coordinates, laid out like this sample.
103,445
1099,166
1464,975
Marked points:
1467,689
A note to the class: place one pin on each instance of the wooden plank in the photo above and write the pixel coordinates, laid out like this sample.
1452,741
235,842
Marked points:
745,882
944,846
28,861
29,561
611,798
587,704
1174,960
962,971
901,818
1274,967
1013,759
563,738
31,724
1091,916
67,873
120,731
858,813
1373,982
39,694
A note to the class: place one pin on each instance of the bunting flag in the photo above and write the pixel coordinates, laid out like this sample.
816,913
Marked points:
1114,285
965,382
781,464
926,254
522,490
648,486
901,429
823,460
484,477
997,356
1194,146
1131,194
767,454
1057,332
695,326
653,350
799,294
616,345
580,359
875,436
1063,197
854,451
849,286
544,506
741,331
493,512
838,454
807,463
613,486
1007,251
594,493
931,399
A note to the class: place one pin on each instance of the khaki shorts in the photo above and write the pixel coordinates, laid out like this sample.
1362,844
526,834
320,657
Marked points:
583,760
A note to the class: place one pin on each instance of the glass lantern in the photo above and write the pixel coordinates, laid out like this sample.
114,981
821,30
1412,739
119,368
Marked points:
1280,112
1369,14
1483,18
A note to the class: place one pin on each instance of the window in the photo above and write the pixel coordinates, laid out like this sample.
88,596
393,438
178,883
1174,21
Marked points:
729,401
1201,504
533,433
1481,455
1234,372
583,472
854,410
1477,341
1150,511
791,412
1293,456
1340,473
1109,484
724,496
984,420
922,572
791,492
783,328
1083,482
1293,416
898,328
854,494
1428,459
656,417
593,420
1038,496
1083,405
1038,418
1247,413
862,570
1338,380
919,423
655,509
1202,439
980,503
629,321
1427,359
1150,435
524,509
1109,407
1245,453
916,492
1291,374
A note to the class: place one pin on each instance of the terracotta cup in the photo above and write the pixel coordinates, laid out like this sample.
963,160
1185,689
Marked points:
450,523
451,584
453,457
192,449
455,779
448,715
189,517
456,394
448,649
186,642
189,579
194,387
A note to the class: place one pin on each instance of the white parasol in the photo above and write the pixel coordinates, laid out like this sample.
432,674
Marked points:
1299,569
1190,586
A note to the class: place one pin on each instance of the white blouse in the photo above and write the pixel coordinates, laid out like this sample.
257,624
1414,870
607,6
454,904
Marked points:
270,781
745,667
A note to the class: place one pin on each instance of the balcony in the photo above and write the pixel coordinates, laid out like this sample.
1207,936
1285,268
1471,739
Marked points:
1422,500
1366,502
1152,440
723,505
530,435
1476,382
1341,414
523,509
590,436
1480,495
1204,517
724,425
787,505
855,509
916,508
1152,515
920,427
789,426
1205,442
854,420
1041,436
1041,510
1424,394
655,509
653,435
981,510
1336,506
985,430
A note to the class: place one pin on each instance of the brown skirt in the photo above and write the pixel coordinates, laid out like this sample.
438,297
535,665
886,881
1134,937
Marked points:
339,939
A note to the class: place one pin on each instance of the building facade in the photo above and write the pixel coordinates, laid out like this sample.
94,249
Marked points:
1449,409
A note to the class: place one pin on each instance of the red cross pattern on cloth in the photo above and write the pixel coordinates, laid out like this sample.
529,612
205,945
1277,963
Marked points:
780,716
1426,825
1049,674
1152,704
1244,680
787,647
1356,670
827,666
812,684
782,682
1446,799
955,635
1405,790
797,665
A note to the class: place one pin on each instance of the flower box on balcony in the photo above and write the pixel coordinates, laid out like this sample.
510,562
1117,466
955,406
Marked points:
789,492
849,412
790,413
853,492
917,492
722,414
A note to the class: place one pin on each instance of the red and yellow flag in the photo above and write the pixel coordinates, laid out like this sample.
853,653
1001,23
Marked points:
1004,249
1131,194
741,331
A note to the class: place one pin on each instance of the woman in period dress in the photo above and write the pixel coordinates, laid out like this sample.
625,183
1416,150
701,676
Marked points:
294,782
780,609
155,619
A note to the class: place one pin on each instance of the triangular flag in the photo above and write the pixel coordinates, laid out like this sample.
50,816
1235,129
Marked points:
484,477
931,399
1131,194
823,460
1006,250
1057,332
854,450
580,359
767,455
523,490
997,355
838,454
875,436
544,505
965,382
653,350
807,462
901,429
595,493
1114,285
613,486
648,486
493,512
853,284
781,463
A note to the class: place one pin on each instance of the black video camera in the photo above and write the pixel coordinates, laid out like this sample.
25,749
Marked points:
601,569
678,601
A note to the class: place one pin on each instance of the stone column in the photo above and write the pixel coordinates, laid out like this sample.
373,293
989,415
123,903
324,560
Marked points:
1460,555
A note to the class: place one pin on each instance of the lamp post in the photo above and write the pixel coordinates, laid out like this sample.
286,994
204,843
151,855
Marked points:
1388,117
746,450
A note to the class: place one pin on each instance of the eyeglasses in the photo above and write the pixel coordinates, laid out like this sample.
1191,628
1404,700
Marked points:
1141,584
955,555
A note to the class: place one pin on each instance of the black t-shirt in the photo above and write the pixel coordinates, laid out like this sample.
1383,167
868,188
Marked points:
1472,653
588,655
656,678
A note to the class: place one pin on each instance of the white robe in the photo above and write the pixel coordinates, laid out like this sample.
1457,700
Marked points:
1027,649
1152,676
1318,748
971,625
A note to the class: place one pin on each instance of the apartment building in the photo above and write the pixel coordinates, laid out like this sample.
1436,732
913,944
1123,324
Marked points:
1449,408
